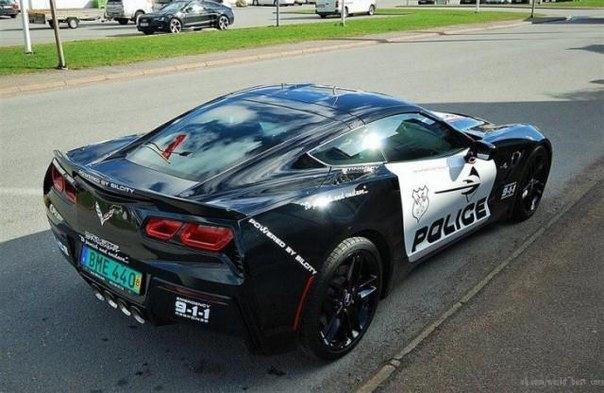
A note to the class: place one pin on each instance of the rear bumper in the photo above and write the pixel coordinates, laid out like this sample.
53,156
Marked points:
178,293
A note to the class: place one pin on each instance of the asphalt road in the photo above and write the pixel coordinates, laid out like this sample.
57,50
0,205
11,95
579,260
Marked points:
537,326
11,29
56,337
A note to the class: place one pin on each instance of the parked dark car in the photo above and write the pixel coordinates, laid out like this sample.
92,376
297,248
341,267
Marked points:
284,213
9,8
179,15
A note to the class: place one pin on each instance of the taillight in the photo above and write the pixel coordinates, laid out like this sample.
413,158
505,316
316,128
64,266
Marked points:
62,185
162,229
199,236
58,181
206,237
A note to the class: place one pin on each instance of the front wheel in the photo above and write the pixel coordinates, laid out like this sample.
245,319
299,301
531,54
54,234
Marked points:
343,300
122,21
222,23
175,26
13,16
531,185
148,32
73,23
371,10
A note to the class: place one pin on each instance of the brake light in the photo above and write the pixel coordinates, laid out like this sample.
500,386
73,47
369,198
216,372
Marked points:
162,229
58,181
199,236
206,237
62,185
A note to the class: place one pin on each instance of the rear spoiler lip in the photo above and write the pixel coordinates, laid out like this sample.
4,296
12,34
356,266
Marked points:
98,179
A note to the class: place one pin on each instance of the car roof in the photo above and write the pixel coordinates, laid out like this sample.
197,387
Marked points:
329,101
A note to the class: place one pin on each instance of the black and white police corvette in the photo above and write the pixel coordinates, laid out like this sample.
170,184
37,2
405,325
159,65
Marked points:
282,213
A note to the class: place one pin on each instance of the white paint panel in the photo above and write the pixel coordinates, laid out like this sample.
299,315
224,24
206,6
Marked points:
439,199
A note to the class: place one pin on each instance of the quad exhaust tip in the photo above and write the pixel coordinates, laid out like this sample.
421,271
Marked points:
110,299
136,314
124,308
98,294
133,312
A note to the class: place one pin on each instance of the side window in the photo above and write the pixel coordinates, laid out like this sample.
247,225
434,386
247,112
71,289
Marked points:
356,147
412,136
404,137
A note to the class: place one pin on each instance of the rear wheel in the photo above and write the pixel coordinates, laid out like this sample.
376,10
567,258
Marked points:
371,10
122,21
73,23
531,185
148,32
13,16
136,15
343,300
222,23
175,26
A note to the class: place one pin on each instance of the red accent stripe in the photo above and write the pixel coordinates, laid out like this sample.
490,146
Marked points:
301,302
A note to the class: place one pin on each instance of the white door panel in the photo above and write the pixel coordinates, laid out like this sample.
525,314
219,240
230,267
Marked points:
441,199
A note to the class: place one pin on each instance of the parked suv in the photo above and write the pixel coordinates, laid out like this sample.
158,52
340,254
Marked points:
125,10
9,8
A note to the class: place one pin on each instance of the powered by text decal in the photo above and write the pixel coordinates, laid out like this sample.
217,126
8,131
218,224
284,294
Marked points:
441,199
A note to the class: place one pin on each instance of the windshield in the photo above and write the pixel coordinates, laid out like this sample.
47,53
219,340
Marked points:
215,137
175,6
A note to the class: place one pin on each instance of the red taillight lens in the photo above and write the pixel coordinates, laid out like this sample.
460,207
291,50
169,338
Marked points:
58,181
62,185
162,229
206,237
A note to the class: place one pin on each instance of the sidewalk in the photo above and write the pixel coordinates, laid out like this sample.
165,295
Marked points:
11,85
536,327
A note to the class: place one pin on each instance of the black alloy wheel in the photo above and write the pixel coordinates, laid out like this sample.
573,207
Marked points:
344,299
532,184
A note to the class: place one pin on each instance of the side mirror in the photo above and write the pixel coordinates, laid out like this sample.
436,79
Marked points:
480,150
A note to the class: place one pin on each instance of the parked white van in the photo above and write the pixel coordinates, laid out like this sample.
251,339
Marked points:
351,7
124,10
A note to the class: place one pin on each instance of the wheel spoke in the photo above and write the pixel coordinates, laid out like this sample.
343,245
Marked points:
331,329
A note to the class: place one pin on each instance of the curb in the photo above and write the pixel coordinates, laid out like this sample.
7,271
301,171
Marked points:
73,82
382,375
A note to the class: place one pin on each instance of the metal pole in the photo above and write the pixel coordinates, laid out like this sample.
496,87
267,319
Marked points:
278,14
533,9
477,5
55,27
343,13
25,22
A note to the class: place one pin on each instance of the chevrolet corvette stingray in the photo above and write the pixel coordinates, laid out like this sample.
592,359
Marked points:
283,213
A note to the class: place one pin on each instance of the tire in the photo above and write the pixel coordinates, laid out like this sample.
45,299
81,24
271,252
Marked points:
371,10
175,26
13,16
148,32
136,15
323,16
73,23
343,301
529,189
255,2
122,21
222,23
51,24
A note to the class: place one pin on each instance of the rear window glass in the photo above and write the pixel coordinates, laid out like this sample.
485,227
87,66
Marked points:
218,136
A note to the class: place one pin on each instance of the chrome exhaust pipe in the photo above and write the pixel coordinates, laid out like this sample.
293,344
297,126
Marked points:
97,293
124,308
137,315
110,299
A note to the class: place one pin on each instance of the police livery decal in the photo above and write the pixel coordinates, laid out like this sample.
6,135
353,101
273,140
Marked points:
283,213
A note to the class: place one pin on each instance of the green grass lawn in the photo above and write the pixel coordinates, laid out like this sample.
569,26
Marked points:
113,51
574,4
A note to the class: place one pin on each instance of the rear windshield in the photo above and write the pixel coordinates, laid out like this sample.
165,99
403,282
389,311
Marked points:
216,137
